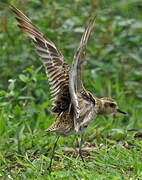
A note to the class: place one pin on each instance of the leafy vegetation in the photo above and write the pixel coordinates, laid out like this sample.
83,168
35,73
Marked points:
112,68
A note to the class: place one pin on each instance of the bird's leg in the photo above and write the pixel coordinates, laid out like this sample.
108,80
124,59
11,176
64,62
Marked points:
49,167
80,146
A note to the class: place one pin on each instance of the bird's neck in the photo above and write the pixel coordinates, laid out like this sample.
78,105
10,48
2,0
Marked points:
99,106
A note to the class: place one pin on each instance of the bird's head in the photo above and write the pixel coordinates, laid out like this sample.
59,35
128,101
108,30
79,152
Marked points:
109,106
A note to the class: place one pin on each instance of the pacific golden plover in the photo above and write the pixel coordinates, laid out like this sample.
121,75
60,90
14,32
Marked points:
75,107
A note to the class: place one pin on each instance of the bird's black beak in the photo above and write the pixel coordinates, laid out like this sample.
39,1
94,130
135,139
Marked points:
118,110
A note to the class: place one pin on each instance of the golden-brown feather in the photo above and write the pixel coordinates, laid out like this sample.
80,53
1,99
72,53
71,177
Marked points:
55,64
75,106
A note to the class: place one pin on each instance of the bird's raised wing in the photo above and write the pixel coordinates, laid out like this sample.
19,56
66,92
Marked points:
75,79
55,64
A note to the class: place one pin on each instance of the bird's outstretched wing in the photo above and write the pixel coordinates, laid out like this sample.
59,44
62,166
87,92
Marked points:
75,79
55,64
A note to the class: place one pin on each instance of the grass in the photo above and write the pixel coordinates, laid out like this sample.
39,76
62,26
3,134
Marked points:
112,68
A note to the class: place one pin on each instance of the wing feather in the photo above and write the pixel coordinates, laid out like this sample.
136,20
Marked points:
75,78
55,64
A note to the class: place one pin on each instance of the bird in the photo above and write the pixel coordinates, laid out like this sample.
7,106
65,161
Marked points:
74,106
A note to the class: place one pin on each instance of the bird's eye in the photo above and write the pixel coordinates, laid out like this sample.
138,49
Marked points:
112,105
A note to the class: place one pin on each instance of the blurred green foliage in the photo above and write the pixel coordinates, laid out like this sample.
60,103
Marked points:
113,68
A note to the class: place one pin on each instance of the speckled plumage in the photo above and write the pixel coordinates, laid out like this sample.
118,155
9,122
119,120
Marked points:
75,107
58,72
